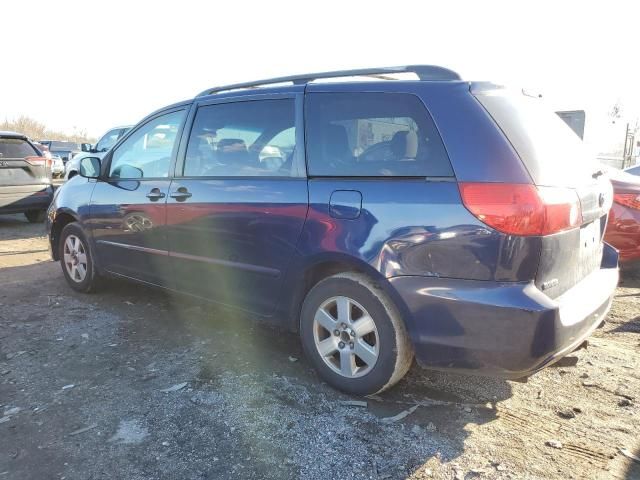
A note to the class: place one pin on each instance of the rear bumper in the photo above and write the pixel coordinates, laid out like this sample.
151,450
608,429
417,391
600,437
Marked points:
21,199
508,330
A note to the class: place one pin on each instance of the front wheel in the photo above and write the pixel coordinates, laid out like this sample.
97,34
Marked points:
76,259
353,335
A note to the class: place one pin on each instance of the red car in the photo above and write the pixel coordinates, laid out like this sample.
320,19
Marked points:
623,229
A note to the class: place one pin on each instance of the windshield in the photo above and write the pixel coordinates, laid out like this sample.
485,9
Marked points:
108,140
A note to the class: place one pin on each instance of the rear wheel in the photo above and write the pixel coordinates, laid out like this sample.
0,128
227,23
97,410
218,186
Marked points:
76,259
353,335
35,216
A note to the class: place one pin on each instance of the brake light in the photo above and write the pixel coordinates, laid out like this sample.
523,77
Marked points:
38,161
631,200
49,158
522,209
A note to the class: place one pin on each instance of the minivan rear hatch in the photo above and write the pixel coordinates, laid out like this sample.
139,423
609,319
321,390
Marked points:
555,156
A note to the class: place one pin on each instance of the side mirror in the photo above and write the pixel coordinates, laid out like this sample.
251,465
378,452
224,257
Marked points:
128,172
85,147
90,167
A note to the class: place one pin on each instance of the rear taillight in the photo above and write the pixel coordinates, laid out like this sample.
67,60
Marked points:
49,158
522,209
631,200
38,161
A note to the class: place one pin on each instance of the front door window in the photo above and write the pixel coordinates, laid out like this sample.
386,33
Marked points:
147,152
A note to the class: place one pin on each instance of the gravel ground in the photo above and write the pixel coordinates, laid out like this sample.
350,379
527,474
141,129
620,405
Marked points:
133,383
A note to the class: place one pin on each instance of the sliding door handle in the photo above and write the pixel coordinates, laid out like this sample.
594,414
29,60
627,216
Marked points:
180,194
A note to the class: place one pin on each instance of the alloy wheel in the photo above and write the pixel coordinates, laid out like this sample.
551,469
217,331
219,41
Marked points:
75,258
346,337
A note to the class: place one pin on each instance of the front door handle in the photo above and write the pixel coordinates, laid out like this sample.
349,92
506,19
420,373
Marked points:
155,194
180,194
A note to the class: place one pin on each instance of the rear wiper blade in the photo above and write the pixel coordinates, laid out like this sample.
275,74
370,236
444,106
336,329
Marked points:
597,174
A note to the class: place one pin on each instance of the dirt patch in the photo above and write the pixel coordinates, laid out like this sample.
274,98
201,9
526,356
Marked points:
133,383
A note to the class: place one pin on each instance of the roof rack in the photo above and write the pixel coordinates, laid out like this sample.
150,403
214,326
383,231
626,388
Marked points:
424,72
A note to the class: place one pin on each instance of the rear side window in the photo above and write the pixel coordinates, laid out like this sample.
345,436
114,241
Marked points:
550,150
372,135
16,148
243,139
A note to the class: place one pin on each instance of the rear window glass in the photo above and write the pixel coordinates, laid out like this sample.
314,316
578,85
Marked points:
16,148
64,146
551,151
372,135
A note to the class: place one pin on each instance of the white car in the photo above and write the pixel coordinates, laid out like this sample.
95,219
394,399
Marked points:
57,166
105,143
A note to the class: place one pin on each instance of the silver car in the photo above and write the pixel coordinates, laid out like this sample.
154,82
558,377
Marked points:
105,143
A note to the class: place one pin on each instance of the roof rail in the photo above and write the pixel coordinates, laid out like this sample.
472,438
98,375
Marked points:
424,72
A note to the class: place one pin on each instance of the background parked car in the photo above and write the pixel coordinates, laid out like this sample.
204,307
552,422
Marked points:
65,150
25,177
635,170
623,229
44,149
103,145
57,167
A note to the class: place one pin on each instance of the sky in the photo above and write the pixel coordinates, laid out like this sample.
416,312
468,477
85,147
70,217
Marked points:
96,64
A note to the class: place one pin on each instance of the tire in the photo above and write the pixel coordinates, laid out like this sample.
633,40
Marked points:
74,247
35,216
383,342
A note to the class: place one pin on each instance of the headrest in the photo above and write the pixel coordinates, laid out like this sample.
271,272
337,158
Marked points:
230,145
336,141
404,144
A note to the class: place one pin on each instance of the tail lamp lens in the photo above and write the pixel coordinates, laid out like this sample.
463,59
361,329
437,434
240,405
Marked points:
522,209
38,161
631,200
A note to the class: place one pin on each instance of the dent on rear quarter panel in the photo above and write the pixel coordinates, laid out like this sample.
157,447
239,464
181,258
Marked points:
419,227
413,227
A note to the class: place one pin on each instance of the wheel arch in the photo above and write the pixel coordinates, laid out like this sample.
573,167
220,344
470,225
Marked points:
303,277
62,219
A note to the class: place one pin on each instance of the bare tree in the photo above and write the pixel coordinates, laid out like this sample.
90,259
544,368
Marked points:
39,131
616,111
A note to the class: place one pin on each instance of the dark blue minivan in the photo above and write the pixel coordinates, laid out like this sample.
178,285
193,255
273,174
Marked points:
382,219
